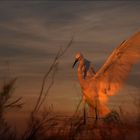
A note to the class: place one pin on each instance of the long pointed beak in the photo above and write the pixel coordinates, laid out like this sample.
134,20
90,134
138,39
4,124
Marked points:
74,63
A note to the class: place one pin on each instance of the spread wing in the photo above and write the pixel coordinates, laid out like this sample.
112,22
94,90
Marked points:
114,72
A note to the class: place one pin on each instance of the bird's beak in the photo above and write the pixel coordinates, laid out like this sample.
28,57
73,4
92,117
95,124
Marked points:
74,63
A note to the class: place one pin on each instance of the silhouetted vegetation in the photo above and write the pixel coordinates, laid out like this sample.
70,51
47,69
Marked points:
47,125
6,93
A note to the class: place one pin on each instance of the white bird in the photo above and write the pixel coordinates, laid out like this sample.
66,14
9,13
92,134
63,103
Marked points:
108,80
86,70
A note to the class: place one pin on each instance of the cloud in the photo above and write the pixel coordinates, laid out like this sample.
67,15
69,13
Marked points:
32,32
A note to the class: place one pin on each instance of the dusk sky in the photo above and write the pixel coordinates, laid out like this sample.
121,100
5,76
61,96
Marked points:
31,33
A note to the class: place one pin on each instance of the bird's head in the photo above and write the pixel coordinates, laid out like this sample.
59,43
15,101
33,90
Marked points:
78,57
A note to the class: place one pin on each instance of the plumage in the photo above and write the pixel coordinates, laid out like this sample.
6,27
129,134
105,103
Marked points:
109,79
114,72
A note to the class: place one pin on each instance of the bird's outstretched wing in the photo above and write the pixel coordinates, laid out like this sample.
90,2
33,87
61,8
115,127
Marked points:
115,70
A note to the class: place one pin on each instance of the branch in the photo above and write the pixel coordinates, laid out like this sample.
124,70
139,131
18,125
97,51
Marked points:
48,89
59,54
14,103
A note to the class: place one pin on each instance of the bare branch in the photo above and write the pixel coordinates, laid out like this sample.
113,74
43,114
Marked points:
14,103
48,89
59,54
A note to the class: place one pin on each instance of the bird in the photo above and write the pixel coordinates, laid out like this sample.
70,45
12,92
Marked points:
86,70
86,67
109,79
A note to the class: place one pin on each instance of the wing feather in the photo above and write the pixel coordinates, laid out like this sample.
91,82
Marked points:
115,70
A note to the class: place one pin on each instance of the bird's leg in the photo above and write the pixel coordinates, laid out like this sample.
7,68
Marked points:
96,115
96,110
84,110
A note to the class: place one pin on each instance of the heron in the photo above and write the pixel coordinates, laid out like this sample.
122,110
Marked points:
86,71
98,86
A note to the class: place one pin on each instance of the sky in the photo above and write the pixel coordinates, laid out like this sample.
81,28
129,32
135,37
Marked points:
31,33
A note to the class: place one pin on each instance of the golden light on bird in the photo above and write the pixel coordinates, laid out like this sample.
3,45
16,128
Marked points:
108,80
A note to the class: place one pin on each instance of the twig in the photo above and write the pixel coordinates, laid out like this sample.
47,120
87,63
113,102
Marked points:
14,103
49,87
59,54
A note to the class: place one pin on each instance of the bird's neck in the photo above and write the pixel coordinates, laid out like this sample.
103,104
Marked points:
80,73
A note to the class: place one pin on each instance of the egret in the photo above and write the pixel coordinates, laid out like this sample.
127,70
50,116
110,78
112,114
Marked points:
109,79
86,71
